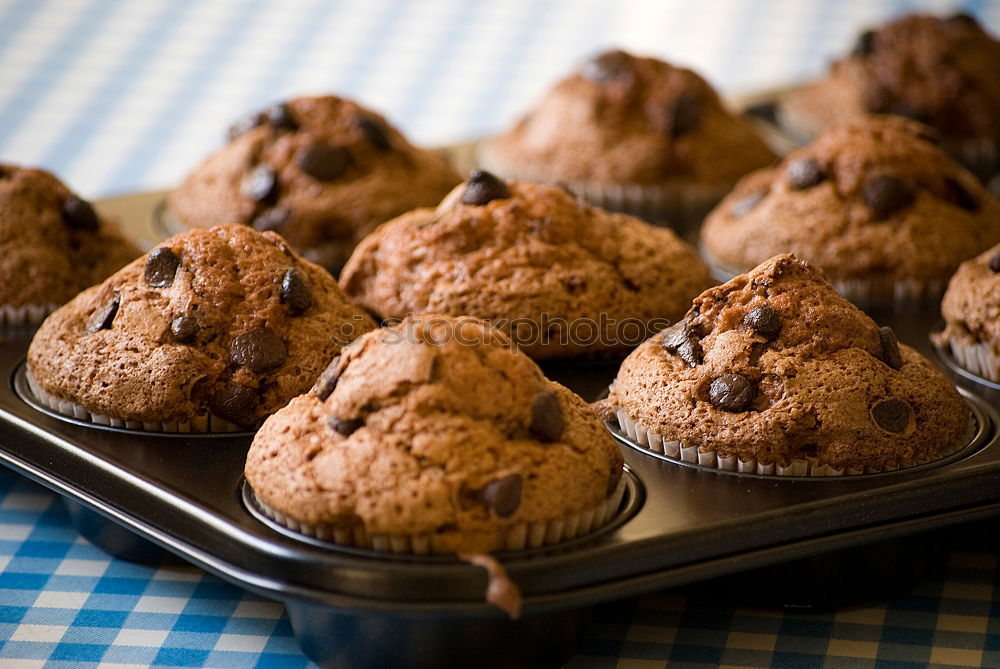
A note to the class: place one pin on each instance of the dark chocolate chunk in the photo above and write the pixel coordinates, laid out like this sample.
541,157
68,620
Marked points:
891,415
260,185
104,316
260,350
959,195
327,380
375,132
244,125
891,354
731,392
344,426
161,267
502,496
295,293
995,262
765,321
865,44
322,161
482,187
608,66
804,173
237,404
683,114
746,203
184,329
963,18
280,116
79,214
886,195
907,110
271,219
4,172
546,416
680,340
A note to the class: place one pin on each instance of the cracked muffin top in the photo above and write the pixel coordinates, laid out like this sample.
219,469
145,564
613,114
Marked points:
874,198
775,366
226,320
435,426
560,276
52,243
320,171
622,118
942,71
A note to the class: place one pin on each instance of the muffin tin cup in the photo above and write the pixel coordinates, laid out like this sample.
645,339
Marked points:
28,314
676,450
517,537
206,423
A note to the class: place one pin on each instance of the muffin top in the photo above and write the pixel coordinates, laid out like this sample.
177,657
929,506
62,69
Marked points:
321,171
227,320
942,71
971,305
870,198
434,426
775,366
625,119
560,276
52,243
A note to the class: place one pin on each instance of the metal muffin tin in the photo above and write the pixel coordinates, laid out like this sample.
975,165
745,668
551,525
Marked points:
136,493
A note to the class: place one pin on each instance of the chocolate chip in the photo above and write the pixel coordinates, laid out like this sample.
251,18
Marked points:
865,44
260,185
683,114
327,380
322,161
891,415
731,392
4,172
344,426
502,496
546,416
745,204
237,404
886,195
963,18
244,125
184,328
375,132
260,350
103,317
680,340
79,214
765,321
295,293
891,354
608,66
280,116
482,187
161,267
271,219
959,195
804,173
995,262
907,110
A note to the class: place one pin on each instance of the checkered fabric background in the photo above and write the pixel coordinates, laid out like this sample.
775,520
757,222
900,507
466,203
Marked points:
118,96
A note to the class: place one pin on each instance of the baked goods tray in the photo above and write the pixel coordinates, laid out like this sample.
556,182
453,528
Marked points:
135,494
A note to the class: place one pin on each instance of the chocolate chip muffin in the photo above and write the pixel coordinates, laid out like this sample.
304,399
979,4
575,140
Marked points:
435,435
773,372
632,134
212,330
970,308
874,202
941,71
52,244
320,171
561,277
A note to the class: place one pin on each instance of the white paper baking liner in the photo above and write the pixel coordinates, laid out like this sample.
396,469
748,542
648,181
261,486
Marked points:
198,424
517,537
28,314
977,358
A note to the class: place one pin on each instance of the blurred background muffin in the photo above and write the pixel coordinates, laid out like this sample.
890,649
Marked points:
971,311
320,171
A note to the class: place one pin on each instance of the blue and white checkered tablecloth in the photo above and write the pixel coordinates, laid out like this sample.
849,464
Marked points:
120,96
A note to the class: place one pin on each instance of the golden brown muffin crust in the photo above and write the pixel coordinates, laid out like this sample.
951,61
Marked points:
532,255
971,305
